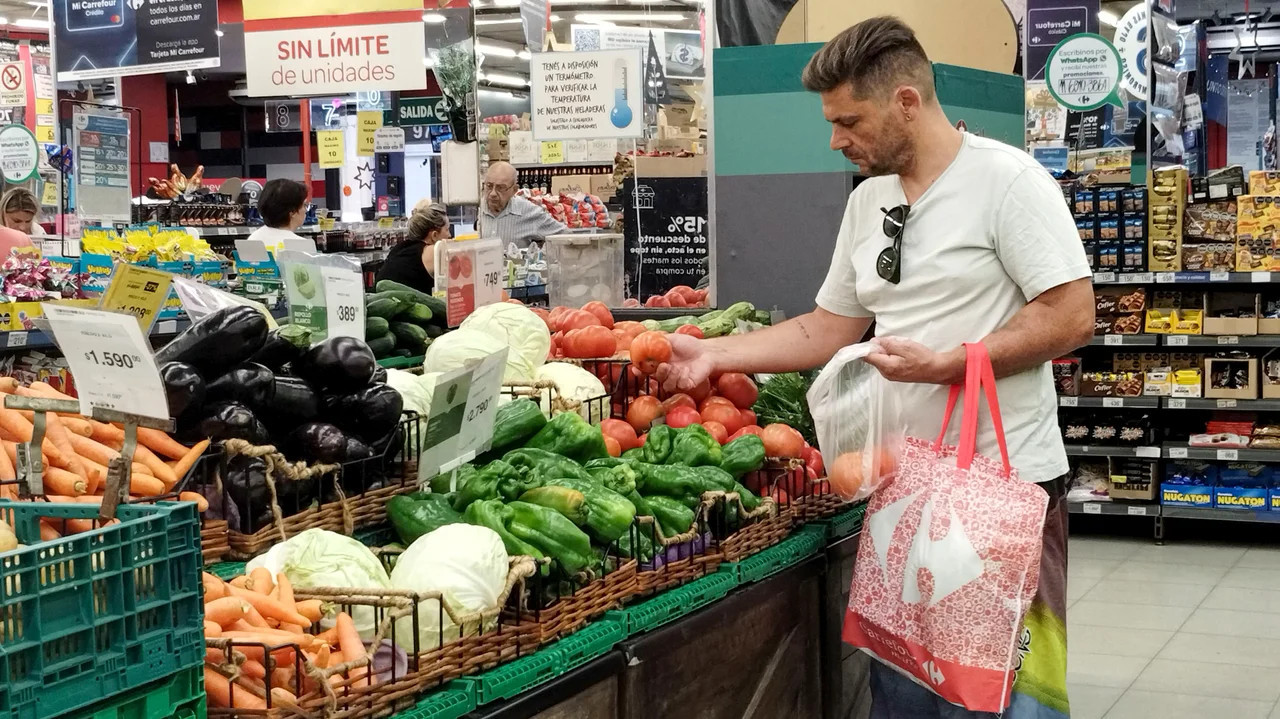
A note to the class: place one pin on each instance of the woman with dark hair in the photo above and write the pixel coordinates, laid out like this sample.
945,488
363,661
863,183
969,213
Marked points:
412,262
283,206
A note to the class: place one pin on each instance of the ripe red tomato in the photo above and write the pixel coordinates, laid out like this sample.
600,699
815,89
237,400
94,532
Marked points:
701,391
576,320
691,330
725,415
623,433
601,312
738,389
657,301
649,350
813,460
643,411
612,446
749,429
593,341
632,329
717,430
622,339
679,399
714,399
782,441
676,299
553,318
748,417
681,417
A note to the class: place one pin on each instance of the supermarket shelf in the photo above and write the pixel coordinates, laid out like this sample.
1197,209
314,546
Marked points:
561,165
240,230
1182,451
36,339
1261,405
1181,278
1124,278
1225,515
1220,340
1114,508
1110,402
1090,450
1124,340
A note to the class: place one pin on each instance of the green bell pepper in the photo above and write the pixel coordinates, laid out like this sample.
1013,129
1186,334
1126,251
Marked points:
619,475
454,480
669,480
694,446
482,485
511,481
492,513
640,503
742,455
635,454
544,465
636,545
609,515
673,517
714,478
568,434
552,533
657,445
412,518
569,502
749,499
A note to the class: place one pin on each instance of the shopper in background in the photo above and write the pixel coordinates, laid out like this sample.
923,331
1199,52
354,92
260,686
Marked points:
512,219
20,208
283,206
412,261
954,238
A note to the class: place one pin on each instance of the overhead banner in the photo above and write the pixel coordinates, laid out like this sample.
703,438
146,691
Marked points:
1049,22
106,38
586,95
680,51
314,47
100,145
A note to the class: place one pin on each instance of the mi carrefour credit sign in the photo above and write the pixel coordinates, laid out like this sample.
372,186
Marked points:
314,47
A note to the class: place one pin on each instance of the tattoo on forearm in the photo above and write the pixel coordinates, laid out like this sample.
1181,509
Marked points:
803,329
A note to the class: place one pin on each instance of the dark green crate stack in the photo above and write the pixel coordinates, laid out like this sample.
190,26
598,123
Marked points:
181,696
88,617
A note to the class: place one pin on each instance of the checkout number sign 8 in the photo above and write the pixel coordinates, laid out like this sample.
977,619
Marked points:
282,116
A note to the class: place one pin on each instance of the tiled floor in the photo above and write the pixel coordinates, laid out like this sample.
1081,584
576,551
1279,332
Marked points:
1182,630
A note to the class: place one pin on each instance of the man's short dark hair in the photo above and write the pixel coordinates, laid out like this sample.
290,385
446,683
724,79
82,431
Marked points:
875,56
279,199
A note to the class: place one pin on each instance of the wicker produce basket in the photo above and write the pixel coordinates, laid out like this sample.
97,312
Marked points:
549,620
343,691
749,532
680,559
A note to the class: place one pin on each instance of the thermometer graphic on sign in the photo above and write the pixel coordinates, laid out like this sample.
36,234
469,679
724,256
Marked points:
621,115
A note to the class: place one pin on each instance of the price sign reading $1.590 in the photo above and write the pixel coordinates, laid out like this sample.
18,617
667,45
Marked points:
110,359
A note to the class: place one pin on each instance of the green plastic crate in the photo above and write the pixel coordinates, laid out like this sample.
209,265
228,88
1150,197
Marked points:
89,616
508,680
181,696
676,603
226,570
451,702
587,643
845,523
808,541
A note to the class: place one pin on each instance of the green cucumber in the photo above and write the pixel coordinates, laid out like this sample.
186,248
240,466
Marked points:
410,337
375,327
382,346
434,303
417,313
384,307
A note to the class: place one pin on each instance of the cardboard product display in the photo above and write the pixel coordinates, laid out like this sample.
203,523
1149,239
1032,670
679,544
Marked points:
1133,480
1188,383
1271,375
571,185
1231,313
1231,378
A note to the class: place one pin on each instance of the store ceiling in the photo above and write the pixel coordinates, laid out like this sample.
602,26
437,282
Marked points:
25,10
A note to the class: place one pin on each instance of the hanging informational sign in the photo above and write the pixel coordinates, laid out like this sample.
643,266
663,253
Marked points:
111,360
1049,22
586,95
474,277
13,84
602,150
1083,72
459,423
415,111
283,116
667,245
325,294
1131,43
309,47
42,81
100,145
1215,86
329,148
681,52
106,38
1248,116
138,291
19,153
524,149
551,153
367,124
388,139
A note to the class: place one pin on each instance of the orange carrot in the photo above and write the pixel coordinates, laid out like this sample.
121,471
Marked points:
48,533
48,390
144,486
159,469
201,503
89,499
218,687
8,385
104,433
253,616
271,608
184,465
61,438
352,647
211,629
93,449
283,697
214,587
7,470
239,581
311,609
97,479
15,427
260,580
77,425
60,481
328,636
226,610
161,443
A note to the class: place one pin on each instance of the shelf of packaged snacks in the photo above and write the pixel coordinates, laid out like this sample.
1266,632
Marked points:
1222,515
1184,278
239,230
1228,454
1220,340
1126,509
1261,405
1110,402
1139,340
1093,450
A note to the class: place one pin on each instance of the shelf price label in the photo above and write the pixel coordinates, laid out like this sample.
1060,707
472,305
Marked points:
1104,278
474,277
137,291
1176,403
1147,452
1111,340
1228,340
110,359
459,424
1092,508
1112,402
1177,453
1226,404
1166,277
344,302
1219,276
1259,276
1142,278
551,153
1137,511
327,300
1068,401
1229,455
1176,340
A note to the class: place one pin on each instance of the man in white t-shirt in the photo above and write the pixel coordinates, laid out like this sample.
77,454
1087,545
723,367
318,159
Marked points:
953,238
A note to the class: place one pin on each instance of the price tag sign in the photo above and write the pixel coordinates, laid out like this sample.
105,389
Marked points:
330,148
1228,340
1219,276
367,124
1068,401
1166,277
460,422
1112,402
1111,340
1259,276
1147,452
552,153
110,359
344,302
1176,403
1226,404
388,139
1177,453
1229,455
1104,278
1092,508
474,277
49,194
1176,340
1137,511
137,291
1142,278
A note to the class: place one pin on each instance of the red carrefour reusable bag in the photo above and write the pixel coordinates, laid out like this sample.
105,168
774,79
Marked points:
949,559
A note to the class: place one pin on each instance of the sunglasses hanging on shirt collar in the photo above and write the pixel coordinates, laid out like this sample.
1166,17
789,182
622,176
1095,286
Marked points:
889,262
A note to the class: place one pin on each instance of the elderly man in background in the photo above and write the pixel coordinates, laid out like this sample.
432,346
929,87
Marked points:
514,220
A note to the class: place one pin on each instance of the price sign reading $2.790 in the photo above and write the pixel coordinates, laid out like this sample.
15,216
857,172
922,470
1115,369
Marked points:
110,359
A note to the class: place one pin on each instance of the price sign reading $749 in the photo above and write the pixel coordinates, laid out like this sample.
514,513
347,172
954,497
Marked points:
110,359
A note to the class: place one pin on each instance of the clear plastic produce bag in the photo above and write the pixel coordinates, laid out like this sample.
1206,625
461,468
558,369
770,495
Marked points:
858,421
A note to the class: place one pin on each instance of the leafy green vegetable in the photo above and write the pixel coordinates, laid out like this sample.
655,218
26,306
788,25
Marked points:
782,400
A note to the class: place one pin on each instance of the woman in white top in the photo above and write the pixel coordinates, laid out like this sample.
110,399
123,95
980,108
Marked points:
20,208
283,206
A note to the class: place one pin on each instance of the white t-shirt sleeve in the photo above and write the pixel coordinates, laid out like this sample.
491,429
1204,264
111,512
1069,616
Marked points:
839,293
1036,237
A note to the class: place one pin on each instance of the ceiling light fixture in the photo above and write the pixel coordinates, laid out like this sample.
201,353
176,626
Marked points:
629,16
219,33
434,18
32,23
497,50
1106,17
